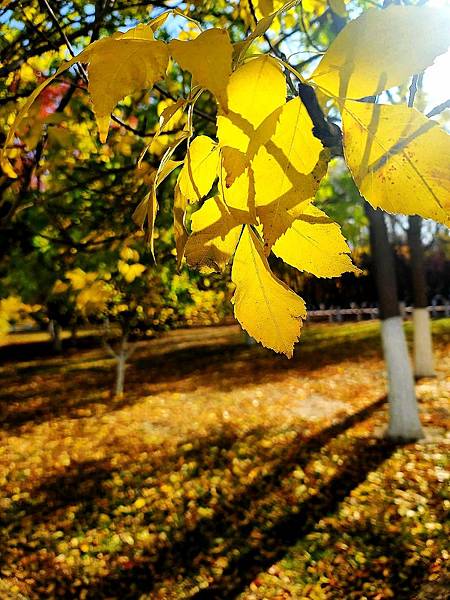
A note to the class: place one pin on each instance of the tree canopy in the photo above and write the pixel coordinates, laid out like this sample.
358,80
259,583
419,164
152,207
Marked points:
203,98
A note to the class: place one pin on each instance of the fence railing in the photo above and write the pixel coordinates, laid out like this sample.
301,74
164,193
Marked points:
371,312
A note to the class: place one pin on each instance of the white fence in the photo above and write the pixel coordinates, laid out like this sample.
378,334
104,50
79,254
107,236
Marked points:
359,313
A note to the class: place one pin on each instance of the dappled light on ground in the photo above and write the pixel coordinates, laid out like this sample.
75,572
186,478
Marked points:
223,471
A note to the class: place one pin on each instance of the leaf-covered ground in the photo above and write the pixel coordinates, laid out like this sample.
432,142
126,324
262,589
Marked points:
224,472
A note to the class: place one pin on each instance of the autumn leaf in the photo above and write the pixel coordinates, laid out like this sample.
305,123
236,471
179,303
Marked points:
287,169
264,306
147,209
130,272
255,90
208,59
315,244
179,228
263,25
234,163
119,67
398,158
240,195
215,233
200,168
381,49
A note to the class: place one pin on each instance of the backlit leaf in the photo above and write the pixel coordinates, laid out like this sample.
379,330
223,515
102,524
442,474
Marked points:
179,228
398,158
215,233
208,58
255,90
381,49
287,169
265,307
315,244
119,67
200,168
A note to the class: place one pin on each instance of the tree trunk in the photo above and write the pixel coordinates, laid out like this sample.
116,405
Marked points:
73,335
120,373
121,360
423,345
55,334
404,422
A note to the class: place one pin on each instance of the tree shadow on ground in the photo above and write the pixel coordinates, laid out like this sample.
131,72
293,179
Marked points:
367,456
89,485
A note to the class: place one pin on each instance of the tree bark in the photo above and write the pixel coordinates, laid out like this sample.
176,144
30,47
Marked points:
404,422
121,365
55,334
120,373
423,345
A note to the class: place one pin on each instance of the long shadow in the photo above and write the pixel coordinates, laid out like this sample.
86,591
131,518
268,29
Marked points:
16,352
273,544
181,555
86,485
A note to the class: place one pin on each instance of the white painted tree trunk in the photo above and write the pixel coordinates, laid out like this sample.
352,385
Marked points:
404,422
423,345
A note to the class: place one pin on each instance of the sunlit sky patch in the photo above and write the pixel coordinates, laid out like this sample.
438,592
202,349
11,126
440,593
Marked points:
436,82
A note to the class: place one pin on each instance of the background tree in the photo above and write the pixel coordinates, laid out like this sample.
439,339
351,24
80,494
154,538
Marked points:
254,185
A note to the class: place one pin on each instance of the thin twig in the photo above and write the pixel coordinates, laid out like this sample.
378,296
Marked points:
69,46
437,110
413,90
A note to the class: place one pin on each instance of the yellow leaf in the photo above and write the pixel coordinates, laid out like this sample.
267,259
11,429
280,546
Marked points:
240,195
255,90
200,168
140,32
398,158
262,26
208,58
234,163
215,233
139,503
179,227
119,67
264,306
130,272
381,49
315,244
148,207
170,116
287,169
292,151
127,253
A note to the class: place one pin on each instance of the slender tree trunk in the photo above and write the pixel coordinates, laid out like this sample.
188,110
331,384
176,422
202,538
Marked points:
120,372
423,345
404,422
121,356
55,334
73,335
121,364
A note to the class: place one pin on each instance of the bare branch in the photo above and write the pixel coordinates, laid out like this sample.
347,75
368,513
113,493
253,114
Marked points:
437,110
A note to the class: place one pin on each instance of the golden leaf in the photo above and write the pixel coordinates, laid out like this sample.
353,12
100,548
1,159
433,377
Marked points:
208,58
265,307
315,244
398,158
381,49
